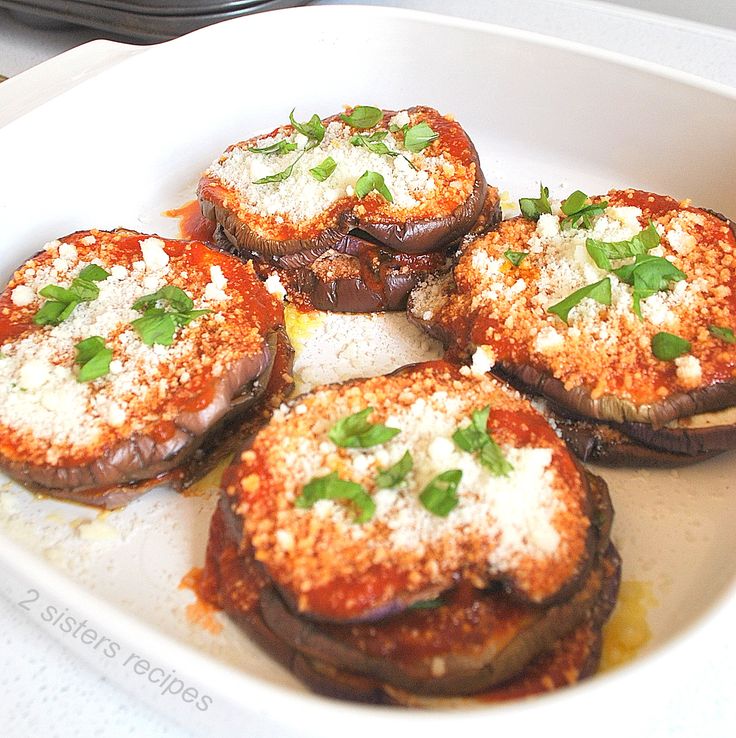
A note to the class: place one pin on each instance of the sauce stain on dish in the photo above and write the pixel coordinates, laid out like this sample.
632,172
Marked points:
200,612
192,224
628,632
300,324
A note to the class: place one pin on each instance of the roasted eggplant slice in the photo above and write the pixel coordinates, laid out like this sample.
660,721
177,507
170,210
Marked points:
431,189
122,355
623,315
468,641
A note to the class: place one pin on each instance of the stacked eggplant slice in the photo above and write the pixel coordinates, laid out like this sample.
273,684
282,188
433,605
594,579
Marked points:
129,360
617,311
353,211
457,552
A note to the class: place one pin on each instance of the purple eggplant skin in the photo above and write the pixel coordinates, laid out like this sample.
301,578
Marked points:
134,465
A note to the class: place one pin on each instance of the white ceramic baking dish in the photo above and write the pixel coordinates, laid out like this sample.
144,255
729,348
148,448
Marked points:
112,135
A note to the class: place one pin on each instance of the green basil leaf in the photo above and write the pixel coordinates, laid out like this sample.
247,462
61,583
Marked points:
418,137
515,257
55,292
280,147
473,437
331,487
576,210
324,170
85,290
369,181
175,296
88,348
667,346
532,208
93,273
374,145
156,326
493,459
363,116
440,495
355,431
427,604
603,251
182,319
68,310
648,275
395,474
312,129
725,334
281,176
598,291
50,312
93,357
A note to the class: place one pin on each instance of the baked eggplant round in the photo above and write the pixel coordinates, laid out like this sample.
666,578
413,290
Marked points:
123,354
621,315
368,521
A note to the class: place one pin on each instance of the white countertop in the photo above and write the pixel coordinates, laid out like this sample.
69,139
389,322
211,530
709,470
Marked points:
45,691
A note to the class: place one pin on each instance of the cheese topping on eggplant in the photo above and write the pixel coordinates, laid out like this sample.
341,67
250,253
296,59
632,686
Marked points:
528,525
48,416
605,348
426,184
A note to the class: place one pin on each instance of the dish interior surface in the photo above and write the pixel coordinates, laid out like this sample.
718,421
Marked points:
125,146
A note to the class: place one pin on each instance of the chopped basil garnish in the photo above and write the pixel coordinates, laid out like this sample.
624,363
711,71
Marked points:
369,181
312,129
603,251
175,296
532,208
667,346
440,495
158,325
598,291
331,487
427,604
284,174
93,358
373,143
475,437
363,116
725,334
418,137
324,170
395,474
280,147
648,275
515,257
62,301
355,431
576,209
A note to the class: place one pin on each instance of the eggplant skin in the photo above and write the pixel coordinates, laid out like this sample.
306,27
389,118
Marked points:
353,294
140,462
414,236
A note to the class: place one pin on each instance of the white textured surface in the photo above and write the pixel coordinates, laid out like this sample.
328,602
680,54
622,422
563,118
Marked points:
44,690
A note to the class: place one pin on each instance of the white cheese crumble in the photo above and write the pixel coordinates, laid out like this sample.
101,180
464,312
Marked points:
548,341
483,360
155,257
689,371
22,295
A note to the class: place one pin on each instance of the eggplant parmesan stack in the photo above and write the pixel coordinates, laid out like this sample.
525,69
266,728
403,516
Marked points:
414,538
123,357
619,311
351,211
